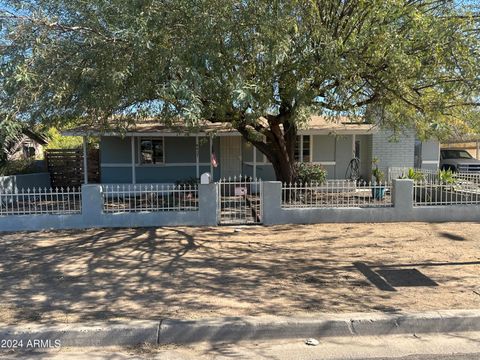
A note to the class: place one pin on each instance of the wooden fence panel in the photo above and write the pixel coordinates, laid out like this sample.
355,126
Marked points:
66,166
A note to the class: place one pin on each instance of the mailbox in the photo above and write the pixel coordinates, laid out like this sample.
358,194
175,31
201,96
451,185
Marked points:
205,178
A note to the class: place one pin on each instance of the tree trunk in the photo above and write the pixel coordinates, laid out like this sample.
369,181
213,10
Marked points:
284,169
279,148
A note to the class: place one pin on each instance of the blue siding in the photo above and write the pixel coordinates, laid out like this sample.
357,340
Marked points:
167,174
115,159
116,175
180,150
115,150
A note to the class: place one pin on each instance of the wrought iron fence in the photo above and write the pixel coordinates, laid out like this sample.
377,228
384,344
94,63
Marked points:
336,193
36,201
402,173
240,201
467,177
149,198
436,193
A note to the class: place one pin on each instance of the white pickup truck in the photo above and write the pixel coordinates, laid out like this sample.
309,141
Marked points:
458,160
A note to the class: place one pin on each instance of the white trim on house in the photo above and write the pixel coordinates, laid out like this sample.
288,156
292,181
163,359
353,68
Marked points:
197,157
134,175
325,163
85,161
311,148
354,139
349,131
211,153
254,162
251,163
300,149
338,132
152,165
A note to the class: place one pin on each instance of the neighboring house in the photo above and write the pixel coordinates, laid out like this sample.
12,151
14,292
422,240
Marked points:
30,145
153,153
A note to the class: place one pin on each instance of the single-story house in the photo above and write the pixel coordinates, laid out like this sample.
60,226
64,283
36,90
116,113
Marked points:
153,153
29,145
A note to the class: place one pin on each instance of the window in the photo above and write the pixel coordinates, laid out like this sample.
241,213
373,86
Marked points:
152,151
455,154
302,148
28,151
357,149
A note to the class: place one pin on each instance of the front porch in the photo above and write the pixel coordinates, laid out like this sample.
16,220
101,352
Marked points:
163,158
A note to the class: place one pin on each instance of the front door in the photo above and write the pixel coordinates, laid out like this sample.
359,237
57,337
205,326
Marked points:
230,156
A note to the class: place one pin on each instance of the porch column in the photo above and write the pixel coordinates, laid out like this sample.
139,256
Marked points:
478,149
354,138
211,165
197,157
134,177
254,162
85,161
300,155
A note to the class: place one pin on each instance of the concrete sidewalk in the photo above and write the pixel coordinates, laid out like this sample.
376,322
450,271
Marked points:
243,328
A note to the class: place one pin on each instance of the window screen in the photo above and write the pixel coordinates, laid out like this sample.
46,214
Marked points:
151,151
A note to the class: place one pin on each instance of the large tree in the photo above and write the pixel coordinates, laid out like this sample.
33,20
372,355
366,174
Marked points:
263,66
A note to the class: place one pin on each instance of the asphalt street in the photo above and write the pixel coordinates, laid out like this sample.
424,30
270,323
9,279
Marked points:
452,346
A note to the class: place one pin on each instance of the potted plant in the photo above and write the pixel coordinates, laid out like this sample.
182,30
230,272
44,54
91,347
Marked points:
378,191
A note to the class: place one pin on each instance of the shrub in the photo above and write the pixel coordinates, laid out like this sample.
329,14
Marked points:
58,141
415,175
18,167
308,172
446,177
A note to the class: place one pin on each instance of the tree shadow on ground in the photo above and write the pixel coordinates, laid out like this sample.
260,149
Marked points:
153,273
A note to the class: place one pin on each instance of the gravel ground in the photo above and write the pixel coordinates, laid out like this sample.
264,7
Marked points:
186,272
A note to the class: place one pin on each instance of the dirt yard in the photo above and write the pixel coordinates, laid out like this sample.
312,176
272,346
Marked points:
150,273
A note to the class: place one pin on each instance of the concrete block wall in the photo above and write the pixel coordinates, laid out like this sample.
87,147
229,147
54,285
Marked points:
391,153
24,181
92,215
402,209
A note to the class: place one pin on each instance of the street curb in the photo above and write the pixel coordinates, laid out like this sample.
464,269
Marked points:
325,325
246,328
83,335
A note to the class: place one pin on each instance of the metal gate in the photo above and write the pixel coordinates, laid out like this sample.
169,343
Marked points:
239,201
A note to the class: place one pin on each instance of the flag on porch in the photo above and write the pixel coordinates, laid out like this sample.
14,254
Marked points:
214,160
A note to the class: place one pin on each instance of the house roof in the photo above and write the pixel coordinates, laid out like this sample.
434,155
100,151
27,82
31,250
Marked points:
317,125
36,136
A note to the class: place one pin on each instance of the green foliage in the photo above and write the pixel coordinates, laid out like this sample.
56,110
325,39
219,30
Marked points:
446,177
10,131
16,167
263,66
58,141
415,175
378,174
310,173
